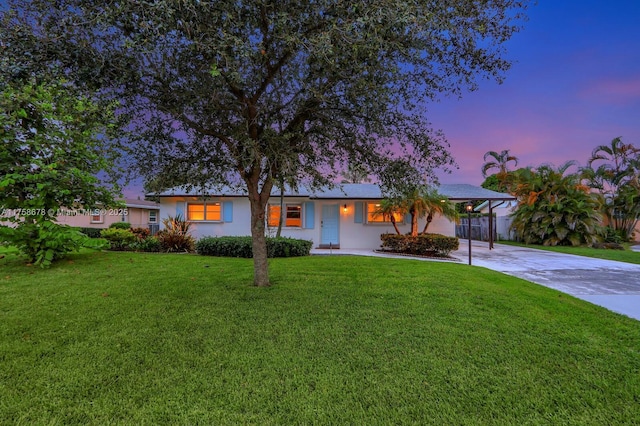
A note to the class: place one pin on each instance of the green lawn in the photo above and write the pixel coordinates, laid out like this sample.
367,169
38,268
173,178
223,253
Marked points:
626,255
122,338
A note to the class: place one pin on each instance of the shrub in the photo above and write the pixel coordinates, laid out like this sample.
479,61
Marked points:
46,241
150,244
120,239
141,233
288,247
422,245
120,225
225,246
611,235
175,237
91,232
242,247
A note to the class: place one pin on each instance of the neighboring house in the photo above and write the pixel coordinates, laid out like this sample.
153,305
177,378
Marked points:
342,217
139,213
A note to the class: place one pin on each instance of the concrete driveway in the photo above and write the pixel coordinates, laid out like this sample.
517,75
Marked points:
613,285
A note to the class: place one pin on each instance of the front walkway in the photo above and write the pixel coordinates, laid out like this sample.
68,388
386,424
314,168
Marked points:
613,285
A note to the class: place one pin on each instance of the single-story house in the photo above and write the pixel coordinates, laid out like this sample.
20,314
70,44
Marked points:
342,217
139,213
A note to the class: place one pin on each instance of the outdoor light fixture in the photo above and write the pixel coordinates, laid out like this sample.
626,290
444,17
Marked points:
469,208
344,208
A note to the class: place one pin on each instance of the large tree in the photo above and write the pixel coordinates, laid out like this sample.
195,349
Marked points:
256,92
50,157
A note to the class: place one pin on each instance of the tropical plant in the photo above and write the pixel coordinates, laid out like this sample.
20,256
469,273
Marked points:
614,171
500,162
141,233
417,202
391,208
426,202
433,204
555,208
176,237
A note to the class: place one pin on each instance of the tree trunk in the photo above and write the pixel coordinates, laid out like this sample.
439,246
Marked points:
258,201
393,222
414,223
427,223
259,245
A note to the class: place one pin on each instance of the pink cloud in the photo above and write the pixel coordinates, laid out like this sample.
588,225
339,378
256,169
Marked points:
619,92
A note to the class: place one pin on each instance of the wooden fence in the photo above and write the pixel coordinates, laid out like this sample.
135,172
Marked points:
480,228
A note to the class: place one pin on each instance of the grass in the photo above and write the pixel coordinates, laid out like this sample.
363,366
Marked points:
122,338
626,255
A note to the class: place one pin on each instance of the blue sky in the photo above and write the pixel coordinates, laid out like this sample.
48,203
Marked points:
575,84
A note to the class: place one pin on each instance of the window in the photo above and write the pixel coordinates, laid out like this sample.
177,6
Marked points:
96,217
153,216
373,216
292,219
294,215
273,215
205,211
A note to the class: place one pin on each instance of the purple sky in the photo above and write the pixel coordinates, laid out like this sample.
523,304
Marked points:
575,84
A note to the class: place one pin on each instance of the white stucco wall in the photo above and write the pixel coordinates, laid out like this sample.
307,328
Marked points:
351,235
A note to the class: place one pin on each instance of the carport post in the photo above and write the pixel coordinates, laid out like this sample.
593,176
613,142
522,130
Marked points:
490,226
469,207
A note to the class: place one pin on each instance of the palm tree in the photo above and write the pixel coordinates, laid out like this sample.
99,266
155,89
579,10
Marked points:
617,178
435,203
500,161
389,207
418,202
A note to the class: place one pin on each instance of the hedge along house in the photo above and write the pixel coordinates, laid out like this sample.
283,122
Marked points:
342,217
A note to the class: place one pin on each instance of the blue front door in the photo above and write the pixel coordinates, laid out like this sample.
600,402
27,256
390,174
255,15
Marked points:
330,232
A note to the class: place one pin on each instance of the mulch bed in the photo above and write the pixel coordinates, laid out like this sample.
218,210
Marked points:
423,256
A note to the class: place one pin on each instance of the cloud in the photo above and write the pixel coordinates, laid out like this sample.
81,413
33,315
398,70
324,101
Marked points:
618,92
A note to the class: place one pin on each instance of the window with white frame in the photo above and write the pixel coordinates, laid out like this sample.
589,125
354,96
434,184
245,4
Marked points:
292,219
374,215
208,211
153,216
96,216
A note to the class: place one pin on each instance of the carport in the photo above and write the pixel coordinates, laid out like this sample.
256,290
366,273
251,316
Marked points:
464,193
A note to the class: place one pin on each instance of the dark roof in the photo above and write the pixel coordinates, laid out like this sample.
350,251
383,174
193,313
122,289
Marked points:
465,192
358,191
141,204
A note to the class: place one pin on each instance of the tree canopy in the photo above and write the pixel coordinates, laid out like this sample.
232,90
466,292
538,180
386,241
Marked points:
50,156
257,92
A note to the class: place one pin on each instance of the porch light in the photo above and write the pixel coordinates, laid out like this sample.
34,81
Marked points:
344,208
